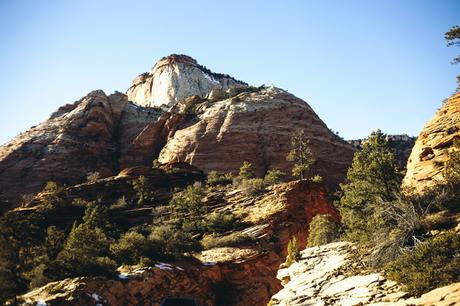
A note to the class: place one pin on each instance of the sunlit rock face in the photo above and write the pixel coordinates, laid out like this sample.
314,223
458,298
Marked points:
174,78
86,136
431,150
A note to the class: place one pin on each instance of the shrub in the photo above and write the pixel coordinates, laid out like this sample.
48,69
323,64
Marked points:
221,221
187,209
432,263
246,171
92,177
317,179
144,194
322,230
293,252
252,187
273,177
216,178
233,239
129,248
173,241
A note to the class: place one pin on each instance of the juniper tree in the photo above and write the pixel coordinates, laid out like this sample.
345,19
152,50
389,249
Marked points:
371,180
453,39
300,154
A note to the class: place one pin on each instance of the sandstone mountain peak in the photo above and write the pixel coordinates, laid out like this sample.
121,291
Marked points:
431,150
174,78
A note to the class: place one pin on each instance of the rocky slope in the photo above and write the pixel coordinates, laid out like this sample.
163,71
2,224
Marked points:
331,275
86,136
431,150
174,78
253,125
241,274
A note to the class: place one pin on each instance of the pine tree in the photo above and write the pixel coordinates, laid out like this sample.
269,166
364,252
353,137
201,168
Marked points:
144,194
300,154
246,171
453,39
371,180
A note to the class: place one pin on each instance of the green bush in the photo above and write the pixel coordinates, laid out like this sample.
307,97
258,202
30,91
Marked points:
432,263
293,252
246,171
233,239
317,179
187,209
221,221
144,193
273,177
322,230
216,178
252,187
129,248
173,241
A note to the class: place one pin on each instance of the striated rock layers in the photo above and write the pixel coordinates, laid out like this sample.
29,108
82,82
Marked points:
86,136
174,78
330,275
252,125
431,150
217,124
242,273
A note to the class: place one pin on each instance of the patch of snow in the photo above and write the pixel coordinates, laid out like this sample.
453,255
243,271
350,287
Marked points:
123,276
96,297
209,263
41,303
164,266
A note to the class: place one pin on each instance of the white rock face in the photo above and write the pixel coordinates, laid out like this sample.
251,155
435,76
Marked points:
320,278
174,78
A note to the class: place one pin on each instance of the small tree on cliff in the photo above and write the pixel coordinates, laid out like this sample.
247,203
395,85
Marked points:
453,39
293,251
371,180
300,154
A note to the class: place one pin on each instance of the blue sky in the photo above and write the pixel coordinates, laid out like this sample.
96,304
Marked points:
361,65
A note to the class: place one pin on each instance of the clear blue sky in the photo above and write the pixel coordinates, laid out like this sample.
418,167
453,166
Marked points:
361,65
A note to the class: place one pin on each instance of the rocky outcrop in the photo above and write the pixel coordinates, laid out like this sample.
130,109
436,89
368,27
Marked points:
255,126
431,150
331,275
174,78
86,136
237,274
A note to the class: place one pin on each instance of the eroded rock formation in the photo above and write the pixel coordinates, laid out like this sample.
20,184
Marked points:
254,126
174,78
331,275
86,136
431,150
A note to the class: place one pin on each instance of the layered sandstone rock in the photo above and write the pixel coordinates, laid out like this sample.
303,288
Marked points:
86,136
255,126
431,150
174,78
330,275
242,274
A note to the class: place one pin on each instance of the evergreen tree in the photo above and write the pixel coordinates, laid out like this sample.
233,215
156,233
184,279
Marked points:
188,210
300,154
371,180
453,39
143,190
246,171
